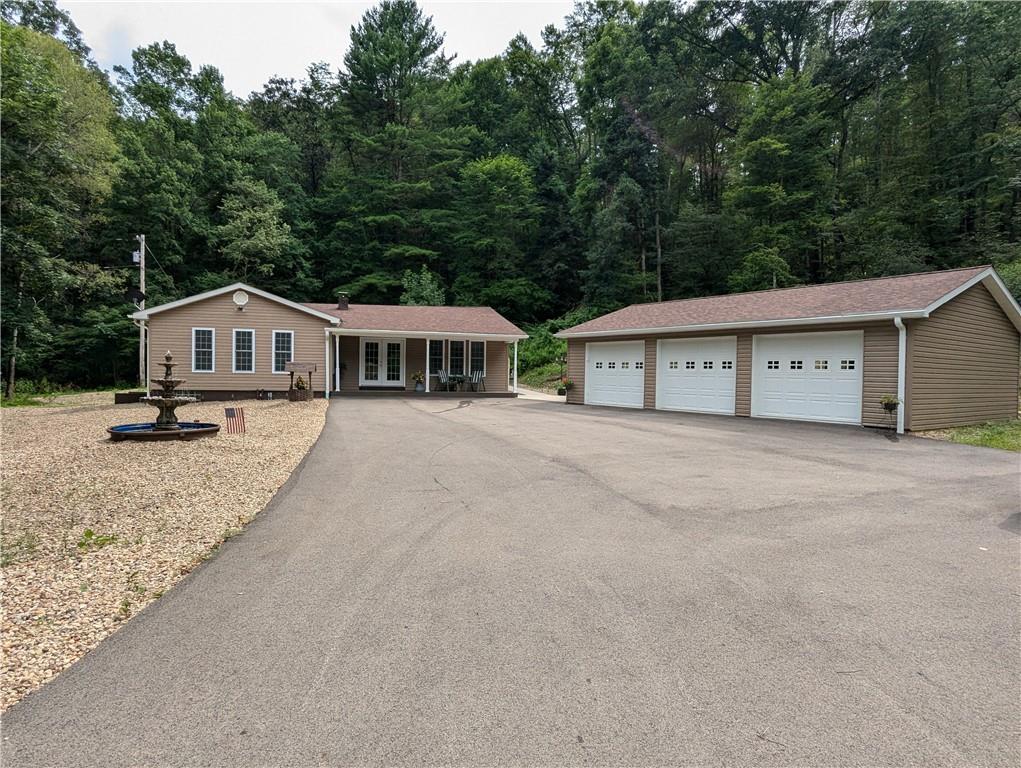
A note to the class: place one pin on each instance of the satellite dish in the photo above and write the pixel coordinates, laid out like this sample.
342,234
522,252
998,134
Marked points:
240,298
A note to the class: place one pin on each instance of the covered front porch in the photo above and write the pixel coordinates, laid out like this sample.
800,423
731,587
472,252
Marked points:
387,363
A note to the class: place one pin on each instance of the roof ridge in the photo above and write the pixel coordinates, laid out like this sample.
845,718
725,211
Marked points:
812,285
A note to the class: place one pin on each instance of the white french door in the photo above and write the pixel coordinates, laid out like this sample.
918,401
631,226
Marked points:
381,363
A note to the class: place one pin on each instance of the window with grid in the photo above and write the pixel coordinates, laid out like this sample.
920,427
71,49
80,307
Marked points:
283,350
797,365
393,361
707,365
822,365
639,366
727,365
244,351
599,364
477,357
372,361
457,357
625,364
202,346
689,365
847,365
673,365
772,365
611,365
435,355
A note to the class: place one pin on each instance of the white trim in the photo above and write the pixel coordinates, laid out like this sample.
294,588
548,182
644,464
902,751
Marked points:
994,284
902,363
381,382
384,334
326,367
273,350
732,340
336,361
234,350
860,366
213,331
144,314
514,385
858,318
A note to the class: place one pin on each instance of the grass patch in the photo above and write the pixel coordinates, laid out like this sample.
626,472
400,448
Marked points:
1005,435
543,377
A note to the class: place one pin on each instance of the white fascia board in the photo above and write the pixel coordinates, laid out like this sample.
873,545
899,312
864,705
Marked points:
995,285
858,318
146,313
390,334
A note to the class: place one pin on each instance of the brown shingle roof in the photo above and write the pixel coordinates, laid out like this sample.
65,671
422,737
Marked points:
904,293
452,320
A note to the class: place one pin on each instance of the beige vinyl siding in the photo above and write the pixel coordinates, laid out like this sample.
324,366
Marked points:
879,373
650,373
171,330
743,376
962,364
576,370
497,366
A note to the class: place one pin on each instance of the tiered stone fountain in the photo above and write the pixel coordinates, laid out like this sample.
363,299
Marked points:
166,426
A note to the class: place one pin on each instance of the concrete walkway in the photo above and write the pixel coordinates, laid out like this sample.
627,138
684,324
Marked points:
529,583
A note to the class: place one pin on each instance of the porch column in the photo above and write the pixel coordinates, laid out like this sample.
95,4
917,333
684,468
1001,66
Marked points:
336,362
427,371
326,366
515,380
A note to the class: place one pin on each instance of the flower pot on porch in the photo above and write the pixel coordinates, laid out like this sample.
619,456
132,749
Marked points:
419,387
561,391
299,395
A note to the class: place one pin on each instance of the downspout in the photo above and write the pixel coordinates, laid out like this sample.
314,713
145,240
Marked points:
902,362
515,388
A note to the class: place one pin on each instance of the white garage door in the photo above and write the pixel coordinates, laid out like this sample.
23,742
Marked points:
696,374
615,373
809,376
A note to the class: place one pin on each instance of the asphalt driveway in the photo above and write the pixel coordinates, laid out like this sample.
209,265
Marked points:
512,582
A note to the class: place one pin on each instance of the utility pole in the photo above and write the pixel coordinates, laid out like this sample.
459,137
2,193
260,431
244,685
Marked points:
141,305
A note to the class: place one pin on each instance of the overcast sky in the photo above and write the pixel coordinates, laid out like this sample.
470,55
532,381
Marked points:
251,41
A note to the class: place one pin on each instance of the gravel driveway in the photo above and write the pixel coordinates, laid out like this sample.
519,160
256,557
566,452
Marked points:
512,582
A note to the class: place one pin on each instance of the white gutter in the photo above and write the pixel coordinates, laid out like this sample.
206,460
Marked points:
902,362
828,319
391,334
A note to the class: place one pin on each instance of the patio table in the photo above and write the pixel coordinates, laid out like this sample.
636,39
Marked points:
458,380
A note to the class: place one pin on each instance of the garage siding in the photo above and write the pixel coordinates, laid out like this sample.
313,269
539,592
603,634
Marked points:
576,371
650,373
743,385
879,373
171,330
963,364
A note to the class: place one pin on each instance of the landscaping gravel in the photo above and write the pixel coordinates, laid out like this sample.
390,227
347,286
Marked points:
93,530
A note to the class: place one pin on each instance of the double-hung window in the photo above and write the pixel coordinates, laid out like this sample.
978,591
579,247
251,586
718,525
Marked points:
244,350
477,357
203,350
283,350
457,356
435,355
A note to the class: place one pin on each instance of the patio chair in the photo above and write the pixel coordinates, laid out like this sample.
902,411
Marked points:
444,380
478,380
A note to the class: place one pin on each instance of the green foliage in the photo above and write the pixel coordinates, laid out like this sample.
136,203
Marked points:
90,540
422,289
1005,435
640,152
761,269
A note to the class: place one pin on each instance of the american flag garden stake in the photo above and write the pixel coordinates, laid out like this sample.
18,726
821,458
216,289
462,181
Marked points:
235,420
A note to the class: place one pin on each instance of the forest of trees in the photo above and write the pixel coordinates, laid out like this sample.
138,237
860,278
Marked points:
644,152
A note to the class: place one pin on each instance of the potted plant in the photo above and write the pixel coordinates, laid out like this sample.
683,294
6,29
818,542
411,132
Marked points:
565,384
300,392
889,403
419,378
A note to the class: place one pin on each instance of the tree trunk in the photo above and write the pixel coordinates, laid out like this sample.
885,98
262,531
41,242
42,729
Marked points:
659,259
13,358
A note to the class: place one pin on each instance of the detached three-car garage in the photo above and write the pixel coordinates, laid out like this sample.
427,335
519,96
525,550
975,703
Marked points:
946,345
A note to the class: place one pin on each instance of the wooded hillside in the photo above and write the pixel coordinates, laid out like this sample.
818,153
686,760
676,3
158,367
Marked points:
650,151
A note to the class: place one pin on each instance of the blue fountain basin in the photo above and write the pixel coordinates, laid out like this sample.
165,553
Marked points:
188,430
